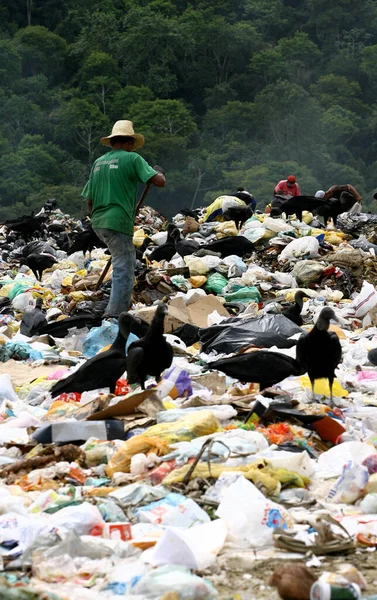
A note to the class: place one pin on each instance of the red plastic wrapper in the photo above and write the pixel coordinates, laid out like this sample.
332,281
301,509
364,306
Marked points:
71,397
122,388
159,473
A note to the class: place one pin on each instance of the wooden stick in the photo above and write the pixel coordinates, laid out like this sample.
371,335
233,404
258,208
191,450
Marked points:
108,264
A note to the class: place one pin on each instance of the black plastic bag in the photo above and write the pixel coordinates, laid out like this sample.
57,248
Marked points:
235,333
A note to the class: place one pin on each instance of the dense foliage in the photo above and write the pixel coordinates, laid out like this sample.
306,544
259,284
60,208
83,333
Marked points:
227,93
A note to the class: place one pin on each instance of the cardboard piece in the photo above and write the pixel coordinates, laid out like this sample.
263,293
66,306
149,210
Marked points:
21,372
199,310
99,411
179,314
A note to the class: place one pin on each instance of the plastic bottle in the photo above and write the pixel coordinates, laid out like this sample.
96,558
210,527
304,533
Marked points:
325,591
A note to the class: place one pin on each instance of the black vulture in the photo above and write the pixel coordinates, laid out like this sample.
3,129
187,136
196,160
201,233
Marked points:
39,263
372,356
101,371
293,312
263,367
297,204
167,250
33,320
238,214
85,242
59,329
235,244
319,352
141,249
184,247
152,354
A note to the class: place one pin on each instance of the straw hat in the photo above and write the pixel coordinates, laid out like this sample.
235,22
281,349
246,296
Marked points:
124,128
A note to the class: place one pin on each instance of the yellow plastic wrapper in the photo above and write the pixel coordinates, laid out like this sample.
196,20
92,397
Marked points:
268,234
6,289
139,444
59,409
261,473
67,281
197,281
192,426
333,237
307,217
321,387
226,229
215,212
138,238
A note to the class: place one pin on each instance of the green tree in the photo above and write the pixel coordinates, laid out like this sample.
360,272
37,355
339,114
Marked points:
10,63
79,126
339,124
42,51
99,74
331,90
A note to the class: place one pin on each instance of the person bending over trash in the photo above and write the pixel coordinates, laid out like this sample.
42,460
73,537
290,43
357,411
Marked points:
336,191
287,188
112,196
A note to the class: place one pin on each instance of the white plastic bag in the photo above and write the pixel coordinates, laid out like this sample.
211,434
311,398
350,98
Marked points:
195,548
196,265
365,301
23,302
56,279
80,519
350,484
251,518
175,510
180,580
302,247
6,388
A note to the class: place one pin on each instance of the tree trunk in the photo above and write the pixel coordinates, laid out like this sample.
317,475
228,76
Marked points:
28,11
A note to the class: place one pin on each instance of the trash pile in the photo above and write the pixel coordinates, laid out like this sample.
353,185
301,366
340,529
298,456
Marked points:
235,456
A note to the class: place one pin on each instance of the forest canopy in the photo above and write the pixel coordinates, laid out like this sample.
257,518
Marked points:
226,92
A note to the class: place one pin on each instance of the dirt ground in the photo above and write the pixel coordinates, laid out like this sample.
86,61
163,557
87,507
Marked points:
253,583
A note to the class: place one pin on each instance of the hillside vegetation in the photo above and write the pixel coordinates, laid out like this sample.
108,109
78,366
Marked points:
227,93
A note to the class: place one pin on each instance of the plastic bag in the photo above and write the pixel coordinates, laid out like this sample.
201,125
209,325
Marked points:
195,548
371,464
56,279
23,302
350,485
18,288
231,335
308,271
369,504
196,265
177,580
138,444
236,265
303,247
254,234
99,337
365,301
215,283
191,426
222,412
250,516
6,389
175,510
80,519
244,294
276,225
175,383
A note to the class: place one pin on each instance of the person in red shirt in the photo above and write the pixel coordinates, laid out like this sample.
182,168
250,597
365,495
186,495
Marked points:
287,188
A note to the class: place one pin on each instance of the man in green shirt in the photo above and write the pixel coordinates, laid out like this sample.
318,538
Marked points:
112,196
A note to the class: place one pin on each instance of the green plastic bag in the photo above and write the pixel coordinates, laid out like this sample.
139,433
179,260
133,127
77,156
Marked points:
215,283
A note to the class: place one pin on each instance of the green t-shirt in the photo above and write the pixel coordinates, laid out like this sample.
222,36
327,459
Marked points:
112,188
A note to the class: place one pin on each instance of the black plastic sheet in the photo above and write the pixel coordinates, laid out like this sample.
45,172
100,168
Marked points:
236,333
